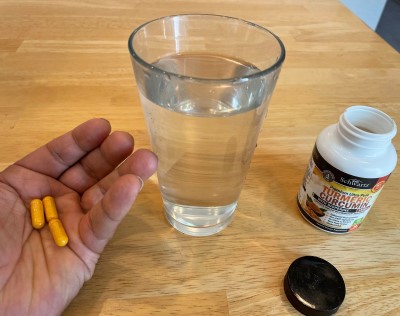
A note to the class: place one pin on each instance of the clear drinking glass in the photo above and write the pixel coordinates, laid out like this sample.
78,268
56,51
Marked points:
204,83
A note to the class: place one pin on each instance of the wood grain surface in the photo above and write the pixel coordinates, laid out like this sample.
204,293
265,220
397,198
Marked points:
62,62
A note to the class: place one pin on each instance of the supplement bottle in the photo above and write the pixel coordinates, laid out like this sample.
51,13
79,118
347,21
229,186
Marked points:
350,163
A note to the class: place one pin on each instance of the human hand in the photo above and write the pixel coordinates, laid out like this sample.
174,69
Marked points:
93,191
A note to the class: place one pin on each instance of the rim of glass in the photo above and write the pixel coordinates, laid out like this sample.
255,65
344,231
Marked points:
260,73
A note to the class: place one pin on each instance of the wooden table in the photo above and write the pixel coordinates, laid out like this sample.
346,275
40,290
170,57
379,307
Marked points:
62,62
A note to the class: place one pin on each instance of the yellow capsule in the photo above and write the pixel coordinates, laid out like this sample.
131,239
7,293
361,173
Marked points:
37,214
58,232
50,208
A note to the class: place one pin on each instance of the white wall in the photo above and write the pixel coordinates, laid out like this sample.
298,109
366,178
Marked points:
369,11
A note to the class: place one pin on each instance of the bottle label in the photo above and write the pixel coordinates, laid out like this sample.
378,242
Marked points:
333,200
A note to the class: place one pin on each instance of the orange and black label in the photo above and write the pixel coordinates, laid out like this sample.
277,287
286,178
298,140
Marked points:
334,200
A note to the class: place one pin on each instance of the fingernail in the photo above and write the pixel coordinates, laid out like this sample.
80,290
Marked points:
141,183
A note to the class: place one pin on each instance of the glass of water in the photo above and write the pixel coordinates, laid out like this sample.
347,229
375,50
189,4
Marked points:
204,82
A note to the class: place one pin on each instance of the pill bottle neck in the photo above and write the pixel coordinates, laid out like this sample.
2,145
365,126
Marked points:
366,128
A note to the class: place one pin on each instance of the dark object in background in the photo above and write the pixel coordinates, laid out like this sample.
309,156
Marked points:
389,24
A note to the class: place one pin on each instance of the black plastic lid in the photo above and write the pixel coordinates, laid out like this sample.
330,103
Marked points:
314,286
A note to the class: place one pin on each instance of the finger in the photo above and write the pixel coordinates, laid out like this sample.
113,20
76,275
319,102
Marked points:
142,163
99,224
99,162
58,155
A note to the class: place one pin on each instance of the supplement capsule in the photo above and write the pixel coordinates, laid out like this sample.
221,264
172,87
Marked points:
50,208
37,213
57,230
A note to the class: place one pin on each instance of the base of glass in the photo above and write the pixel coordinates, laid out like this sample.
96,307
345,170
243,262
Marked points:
199,220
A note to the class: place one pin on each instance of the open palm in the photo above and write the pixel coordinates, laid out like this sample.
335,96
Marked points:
94,178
